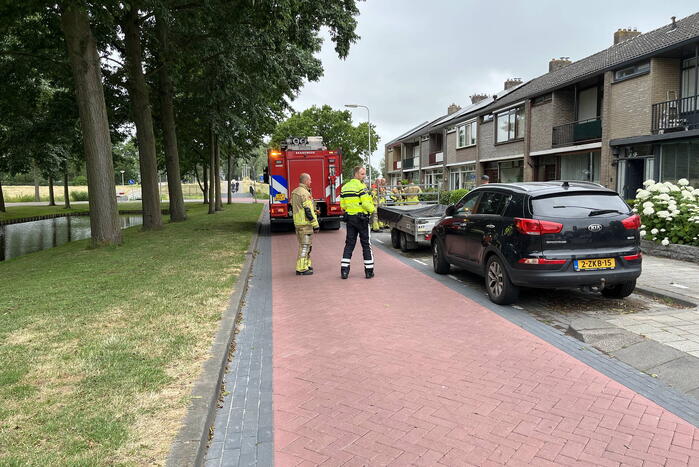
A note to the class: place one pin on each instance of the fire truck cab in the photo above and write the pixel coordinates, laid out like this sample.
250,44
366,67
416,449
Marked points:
284,167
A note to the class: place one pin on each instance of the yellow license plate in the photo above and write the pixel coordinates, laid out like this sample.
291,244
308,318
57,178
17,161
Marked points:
593,264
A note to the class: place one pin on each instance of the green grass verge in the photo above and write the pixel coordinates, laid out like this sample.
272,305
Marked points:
100,347
20,212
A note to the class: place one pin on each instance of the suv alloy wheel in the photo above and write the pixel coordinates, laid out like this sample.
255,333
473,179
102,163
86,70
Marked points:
497,283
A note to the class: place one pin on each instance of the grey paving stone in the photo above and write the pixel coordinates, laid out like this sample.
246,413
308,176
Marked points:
610,339
230,458
587,323
647,354
215,450
265,433
681,373
265,454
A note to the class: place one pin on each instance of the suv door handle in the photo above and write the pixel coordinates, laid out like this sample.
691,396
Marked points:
490,226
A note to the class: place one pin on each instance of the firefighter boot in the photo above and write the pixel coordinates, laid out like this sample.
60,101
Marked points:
369,273
307,272
344,272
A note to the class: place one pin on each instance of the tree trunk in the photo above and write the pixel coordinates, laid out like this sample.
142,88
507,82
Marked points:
85,64
219,201
229,180
172,158
141,109
52,199
212,170
205,179
66,191
35,172
2,199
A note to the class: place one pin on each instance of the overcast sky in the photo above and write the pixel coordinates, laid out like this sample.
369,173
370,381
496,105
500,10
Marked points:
416,57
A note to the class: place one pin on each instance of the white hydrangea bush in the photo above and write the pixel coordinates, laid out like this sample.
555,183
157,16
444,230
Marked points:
669,213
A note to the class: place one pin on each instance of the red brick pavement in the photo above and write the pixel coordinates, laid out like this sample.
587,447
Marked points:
401,370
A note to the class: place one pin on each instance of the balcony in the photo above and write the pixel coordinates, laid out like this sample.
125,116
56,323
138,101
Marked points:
580,132
436,158
408,164
675,115
396,165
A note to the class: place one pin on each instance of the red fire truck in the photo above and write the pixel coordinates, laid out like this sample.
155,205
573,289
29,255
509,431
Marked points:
304,155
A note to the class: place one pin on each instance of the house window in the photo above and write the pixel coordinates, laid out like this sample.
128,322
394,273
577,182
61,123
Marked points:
416,150
462,177
510,125
584,167
679,160
542,99
631,71
487,118
511,171
689,85
466,134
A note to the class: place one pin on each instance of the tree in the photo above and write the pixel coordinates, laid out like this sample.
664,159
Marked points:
87,75
337,130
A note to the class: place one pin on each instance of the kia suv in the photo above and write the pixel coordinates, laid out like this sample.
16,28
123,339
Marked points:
555,234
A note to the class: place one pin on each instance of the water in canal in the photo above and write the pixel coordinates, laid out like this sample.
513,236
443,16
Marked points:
28,237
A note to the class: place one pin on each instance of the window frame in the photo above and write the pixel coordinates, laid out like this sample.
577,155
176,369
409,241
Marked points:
639,69
466,130
515,124
505,200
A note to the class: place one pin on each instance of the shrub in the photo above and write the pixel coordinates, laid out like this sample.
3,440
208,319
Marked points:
80,180
669,213
456,195
20,199
79,195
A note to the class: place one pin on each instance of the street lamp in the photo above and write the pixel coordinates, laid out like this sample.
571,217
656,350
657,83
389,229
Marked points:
122,177
368,120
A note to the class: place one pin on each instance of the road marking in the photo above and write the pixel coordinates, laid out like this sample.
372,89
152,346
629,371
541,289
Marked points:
377,240
421,262
455,278
679,286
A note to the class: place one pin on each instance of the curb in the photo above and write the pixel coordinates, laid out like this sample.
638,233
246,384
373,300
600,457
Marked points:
190,445
659,293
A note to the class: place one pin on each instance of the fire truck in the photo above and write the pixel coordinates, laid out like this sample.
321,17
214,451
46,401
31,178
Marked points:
284,166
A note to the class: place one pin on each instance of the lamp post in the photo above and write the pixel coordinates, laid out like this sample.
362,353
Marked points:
122,177
368,120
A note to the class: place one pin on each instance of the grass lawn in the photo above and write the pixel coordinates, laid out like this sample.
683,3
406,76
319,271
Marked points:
100,348
18,212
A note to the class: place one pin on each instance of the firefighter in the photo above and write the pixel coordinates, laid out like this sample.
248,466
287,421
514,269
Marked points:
356,202
375,226
306,224
412,191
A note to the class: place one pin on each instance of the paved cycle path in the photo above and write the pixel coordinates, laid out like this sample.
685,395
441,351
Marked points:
402,370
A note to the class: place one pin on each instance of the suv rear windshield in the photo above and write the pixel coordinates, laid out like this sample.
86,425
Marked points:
579,205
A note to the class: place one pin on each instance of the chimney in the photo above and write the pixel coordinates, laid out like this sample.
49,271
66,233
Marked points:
453,108
674,23
558,63
476,98
512,82
622,35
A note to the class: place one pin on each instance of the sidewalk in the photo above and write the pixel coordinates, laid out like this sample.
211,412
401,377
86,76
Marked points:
403,369
670,277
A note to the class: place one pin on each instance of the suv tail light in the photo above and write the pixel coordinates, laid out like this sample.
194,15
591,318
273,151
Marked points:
541,261
635,257
633,222
537,227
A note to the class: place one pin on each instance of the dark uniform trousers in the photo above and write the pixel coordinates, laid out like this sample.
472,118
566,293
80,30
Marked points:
358,224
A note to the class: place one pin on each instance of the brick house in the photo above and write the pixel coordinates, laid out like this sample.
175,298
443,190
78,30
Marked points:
617,117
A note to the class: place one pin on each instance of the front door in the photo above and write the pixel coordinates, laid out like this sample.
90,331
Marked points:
634,177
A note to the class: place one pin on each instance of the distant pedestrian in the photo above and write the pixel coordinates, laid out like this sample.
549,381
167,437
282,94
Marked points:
485,179
305,222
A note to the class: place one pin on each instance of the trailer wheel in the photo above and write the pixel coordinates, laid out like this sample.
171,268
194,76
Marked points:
330,225
395,238
404,244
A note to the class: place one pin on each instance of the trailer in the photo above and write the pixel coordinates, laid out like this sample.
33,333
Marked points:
304,155
410,224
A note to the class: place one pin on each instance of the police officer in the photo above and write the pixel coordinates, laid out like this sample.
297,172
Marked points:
306,224
355,200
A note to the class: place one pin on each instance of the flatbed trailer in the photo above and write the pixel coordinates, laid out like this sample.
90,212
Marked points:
411,224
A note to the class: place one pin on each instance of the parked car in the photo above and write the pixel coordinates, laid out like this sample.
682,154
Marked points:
555,234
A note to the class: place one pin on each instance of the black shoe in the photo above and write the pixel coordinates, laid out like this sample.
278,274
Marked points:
344,273
310,268
307,272
369,273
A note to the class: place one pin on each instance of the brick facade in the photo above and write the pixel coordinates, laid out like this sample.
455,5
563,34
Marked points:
542,125
665,79
630,107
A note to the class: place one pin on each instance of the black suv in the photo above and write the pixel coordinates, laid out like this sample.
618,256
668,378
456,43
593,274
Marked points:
555,234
